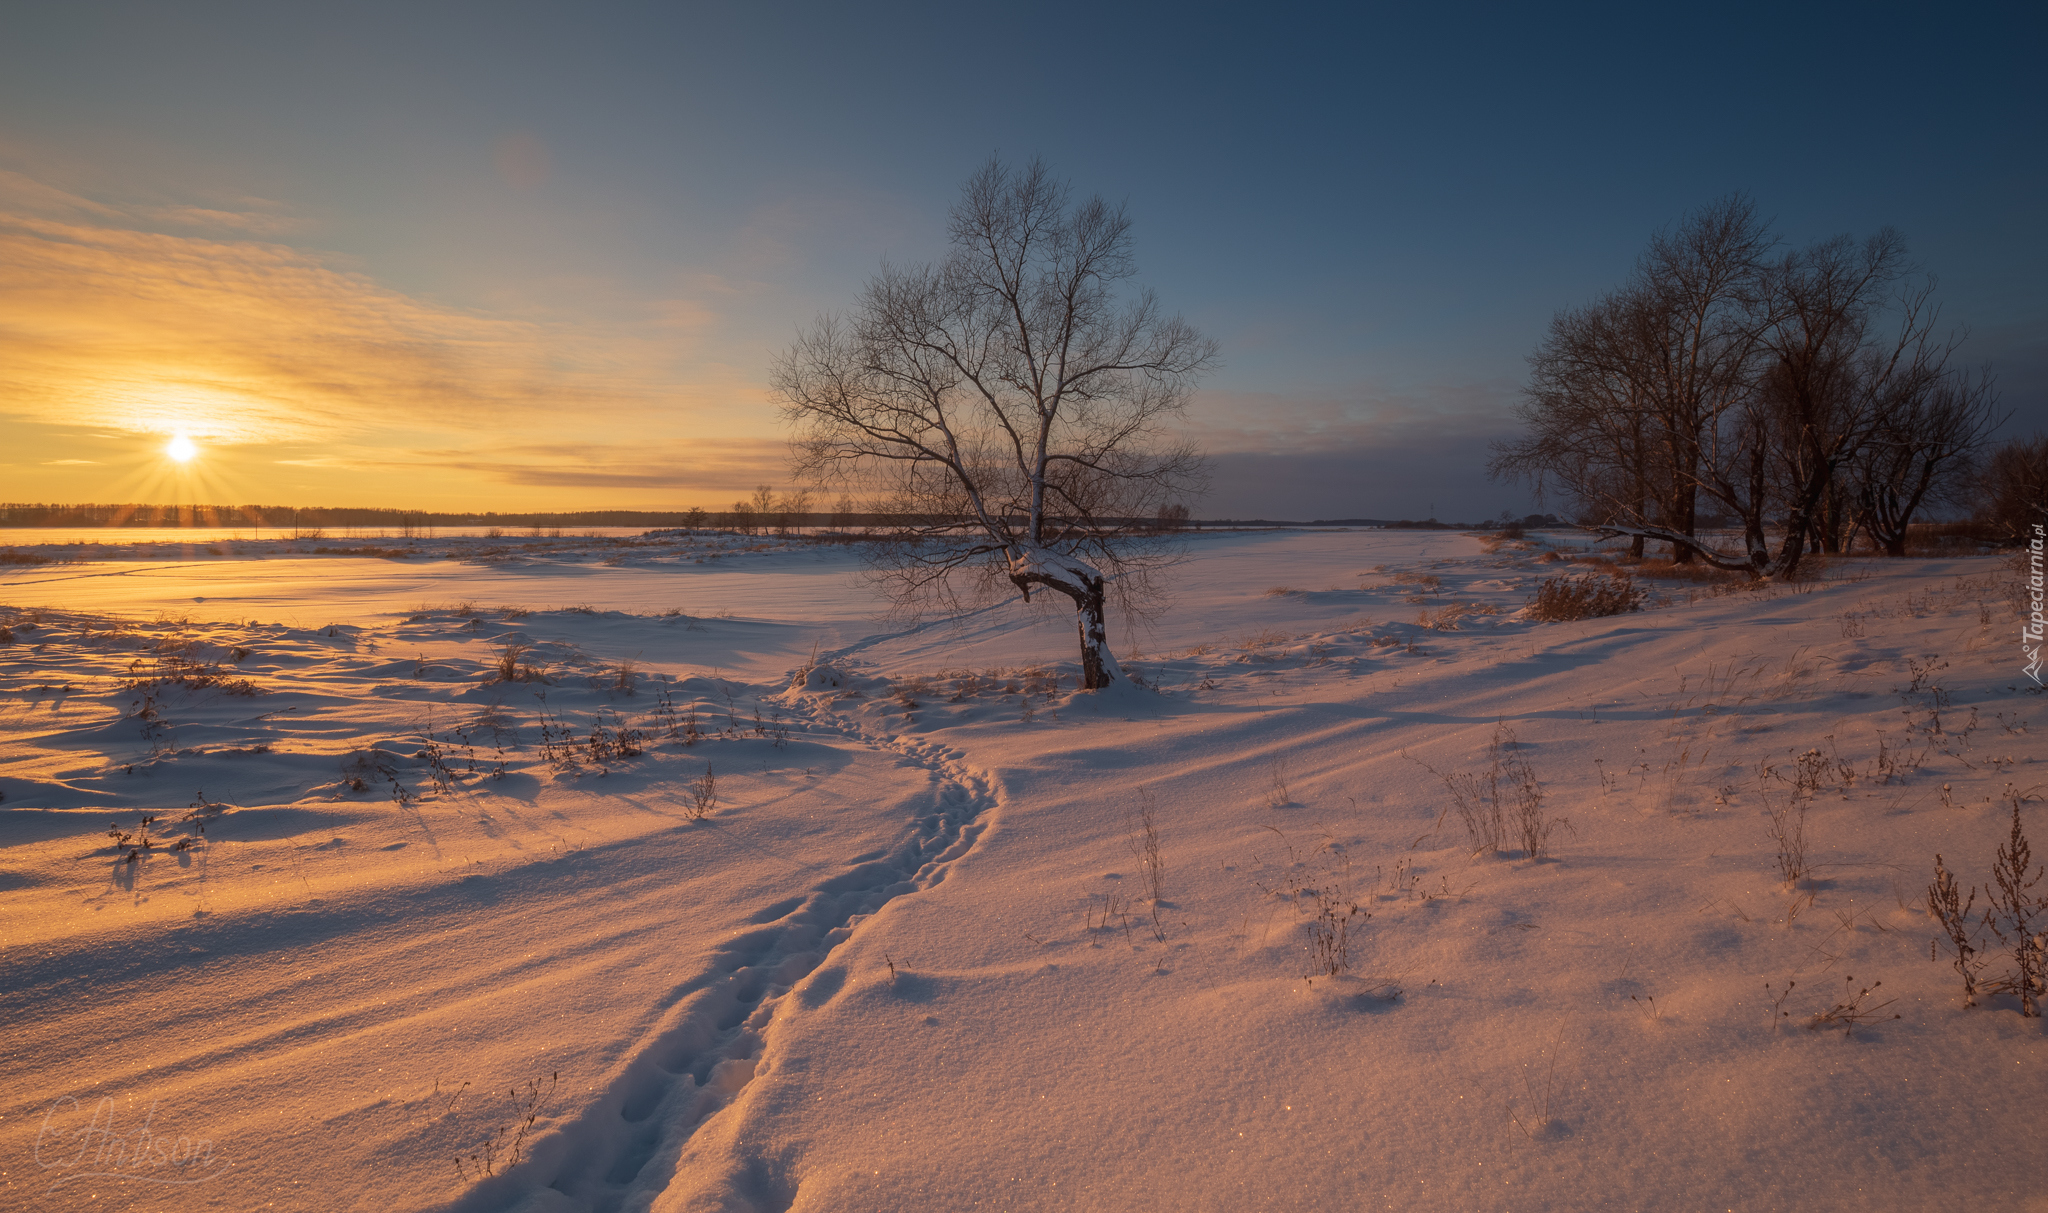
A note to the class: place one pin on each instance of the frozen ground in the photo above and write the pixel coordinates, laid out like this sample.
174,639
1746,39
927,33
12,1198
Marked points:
405,937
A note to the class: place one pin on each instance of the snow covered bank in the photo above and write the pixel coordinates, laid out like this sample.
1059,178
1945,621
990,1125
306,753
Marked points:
911,957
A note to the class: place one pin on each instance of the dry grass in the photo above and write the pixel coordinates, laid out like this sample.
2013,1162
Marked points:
1502,803
621,678
1446,619
1592,596
511,665
174,670
1268,638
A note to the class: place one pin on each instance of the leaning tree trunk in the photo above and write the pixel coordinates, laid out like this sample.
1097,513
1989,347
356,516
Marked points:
1096,663
1078,580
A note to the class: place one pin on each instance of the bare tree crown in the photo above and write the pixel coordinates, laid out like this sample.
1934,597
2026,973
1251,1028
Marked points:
1009,405
1804,392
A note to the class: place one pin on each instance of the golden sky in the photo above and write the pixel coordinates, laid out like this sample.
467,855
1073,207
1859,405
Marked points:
303,381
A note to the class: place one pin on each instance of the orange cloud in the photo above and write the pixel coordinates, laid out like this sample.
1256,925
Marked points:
308,381
148,332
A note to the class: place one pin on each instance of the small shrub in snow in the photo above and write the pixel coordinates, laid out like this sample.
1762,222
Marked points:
2013,915
1947,906
611,741
1331,913
1503,802
511,665
1329,931
703,795
505,1148
1788,831
1592,596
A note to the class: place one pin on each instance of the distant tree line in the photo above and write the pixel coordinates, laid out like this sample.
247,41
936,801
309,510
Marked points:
765,512
1804,395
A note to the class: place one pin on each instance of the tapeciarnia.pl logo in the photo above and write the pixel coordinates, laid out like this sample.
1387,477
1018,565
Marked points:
2037,622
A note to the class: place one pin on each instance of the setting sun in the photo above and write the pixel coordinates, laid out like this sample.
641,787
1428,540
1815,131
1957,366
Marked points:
181,449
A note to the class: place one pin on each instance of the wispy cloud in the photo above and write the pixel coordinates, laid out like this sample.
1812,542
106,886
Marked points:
255,223
696,466
106,323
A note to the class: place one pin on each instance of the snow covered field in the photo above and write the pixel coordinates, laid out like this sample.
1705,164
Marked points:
408,935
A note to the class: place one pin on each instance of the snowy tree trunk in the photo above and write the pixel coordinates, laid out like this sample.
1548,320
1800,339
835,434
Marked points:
1078,580
1098,667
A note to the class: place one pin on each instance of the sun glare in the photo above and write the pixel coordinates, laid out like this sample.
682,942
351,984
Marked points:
181,449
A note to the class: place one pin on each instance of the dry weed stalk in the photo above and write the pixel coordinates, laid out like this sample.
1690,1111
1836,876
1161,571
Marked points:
1540,1118
2012,915
1144,843
703,795
1278,793
505,1148
1505,801
1851,1011
511,663
1788,831
1143,838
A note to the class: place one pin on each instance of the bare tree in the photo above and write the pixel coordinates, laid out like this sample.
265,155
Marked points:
1923,446
1765,381
1697,289
1627,397
1830,377
1586,417
793,506
765,513
2015,488
1011,403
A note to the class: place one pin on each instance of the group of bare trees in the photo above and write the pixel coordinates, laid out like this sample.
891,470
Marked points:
1805,394
768,512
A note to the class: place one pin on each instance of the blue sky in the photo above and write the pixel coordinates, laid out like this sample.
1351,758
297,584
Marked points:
522,255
